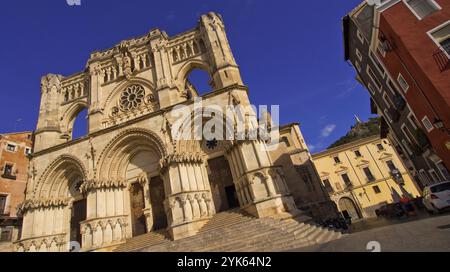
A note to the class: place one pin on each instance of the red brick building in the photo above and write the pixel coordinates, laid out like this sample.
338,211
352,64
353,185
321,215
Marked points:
14,151
413,44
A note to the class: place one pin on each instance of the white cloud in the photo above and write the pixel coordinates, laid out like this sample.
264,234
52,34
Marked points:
327,130
311,148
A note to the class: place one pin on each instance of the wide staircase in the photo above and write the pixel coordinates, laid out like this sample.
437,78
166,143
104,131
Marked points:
233,231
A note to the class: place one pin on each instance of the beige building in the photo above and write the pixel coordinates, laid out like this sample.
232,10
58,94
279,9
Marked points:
131,175
363,175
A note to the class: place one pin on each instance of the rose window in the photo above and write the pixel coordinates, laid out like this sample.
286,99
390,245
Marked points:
132,97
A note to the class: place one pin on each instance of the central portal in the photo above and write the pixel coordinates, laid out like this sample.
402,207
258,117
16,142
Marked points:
222,186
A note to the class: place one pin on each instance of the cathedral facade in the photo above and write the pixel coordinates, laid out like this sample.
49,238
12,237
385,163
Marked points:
131,175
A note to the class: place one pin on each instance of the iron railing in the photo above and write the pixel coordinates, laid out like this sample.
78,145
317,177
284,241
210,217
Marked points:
442,57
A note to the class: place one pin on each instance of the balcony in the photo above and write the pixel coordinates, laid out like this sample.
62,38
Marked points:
399,102
421,138
385,44
9,176
394,114
442,57
397,176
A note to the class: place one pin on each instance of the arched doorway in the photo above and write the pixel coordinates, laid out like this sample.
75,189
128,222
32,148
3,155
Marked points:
348,208
137,203
222,185
79,208
157,196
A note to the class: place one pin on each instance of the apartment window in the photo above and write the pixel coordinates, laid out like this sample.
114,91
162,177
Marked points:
374,77
346,180
360,36
376,189
422,8
402,82
387,115
392,86
443,170
387,100
371,89
358,153
442,37
380,147
6,234
408,134
407,147
11,147
3,204
368,174
412,120
434,175
7,171
27,151
358,54
336,159
427,124
423,177
391,166
377,63
327,185
358,67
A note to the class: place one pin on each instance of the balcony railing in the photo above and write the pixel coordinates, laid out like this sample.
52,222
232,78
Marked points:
9,176
399,102
442,57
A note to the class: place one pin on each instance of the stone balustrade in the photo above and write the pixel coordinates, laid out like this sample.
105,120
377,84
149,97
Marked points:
48,243
103,232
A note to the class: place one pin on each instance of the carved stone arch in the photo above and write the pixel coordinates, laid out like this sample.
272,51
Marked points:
121,87
193,144
127,140
187,67
55,169
71,113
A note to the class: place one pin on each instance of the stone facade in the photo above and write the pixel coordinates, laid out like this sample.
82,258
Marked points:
130,175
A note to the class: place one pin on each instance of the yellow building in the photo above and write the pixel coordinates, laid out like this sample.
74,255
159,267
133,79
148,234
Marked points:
363,175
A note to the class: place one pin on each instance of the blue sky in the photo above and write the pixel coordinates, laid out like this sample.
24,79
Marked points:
290,53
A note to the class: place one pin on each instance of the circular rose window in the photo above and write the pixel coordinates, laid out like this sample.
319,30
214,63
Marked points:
132,97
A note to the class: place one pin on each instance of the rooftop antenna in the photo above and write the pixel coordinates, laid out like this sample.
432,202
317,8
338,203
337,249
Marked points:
358,121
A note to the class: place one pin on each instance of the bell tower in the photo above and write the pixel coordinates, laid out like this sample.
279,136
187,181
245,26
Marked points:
225,71
48,132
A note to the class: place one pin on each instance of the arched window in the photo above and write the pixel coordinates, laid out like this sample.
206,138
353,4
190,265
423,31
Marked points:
80,126
198,82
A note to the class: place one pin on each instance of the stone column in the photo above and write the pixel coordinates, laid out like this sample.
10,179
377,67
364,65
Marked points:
260,185
45,225
145,183
188,201
107,214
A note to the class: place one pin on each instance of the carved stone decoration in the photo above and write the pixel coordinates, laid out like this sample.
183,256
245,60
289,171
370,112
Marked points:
132,98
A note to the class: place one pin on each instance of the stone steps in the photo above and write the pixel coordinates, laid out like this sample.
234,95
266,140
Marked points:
233,231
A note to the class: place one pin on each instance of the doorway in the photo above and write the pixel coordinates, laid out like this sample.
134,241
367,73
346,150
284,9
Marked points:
137,210
222,186
348,207
157,197
79,214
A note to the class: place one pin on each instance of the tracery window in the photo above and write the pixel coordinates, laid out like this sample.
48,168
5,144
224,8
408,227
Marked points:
132,97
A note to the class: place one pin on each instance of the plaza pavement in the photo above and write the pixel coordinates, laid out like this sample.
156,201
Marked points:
431,234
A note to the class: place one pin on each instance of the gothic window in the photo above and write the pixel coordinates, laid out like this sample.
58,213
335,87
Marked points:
132,97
